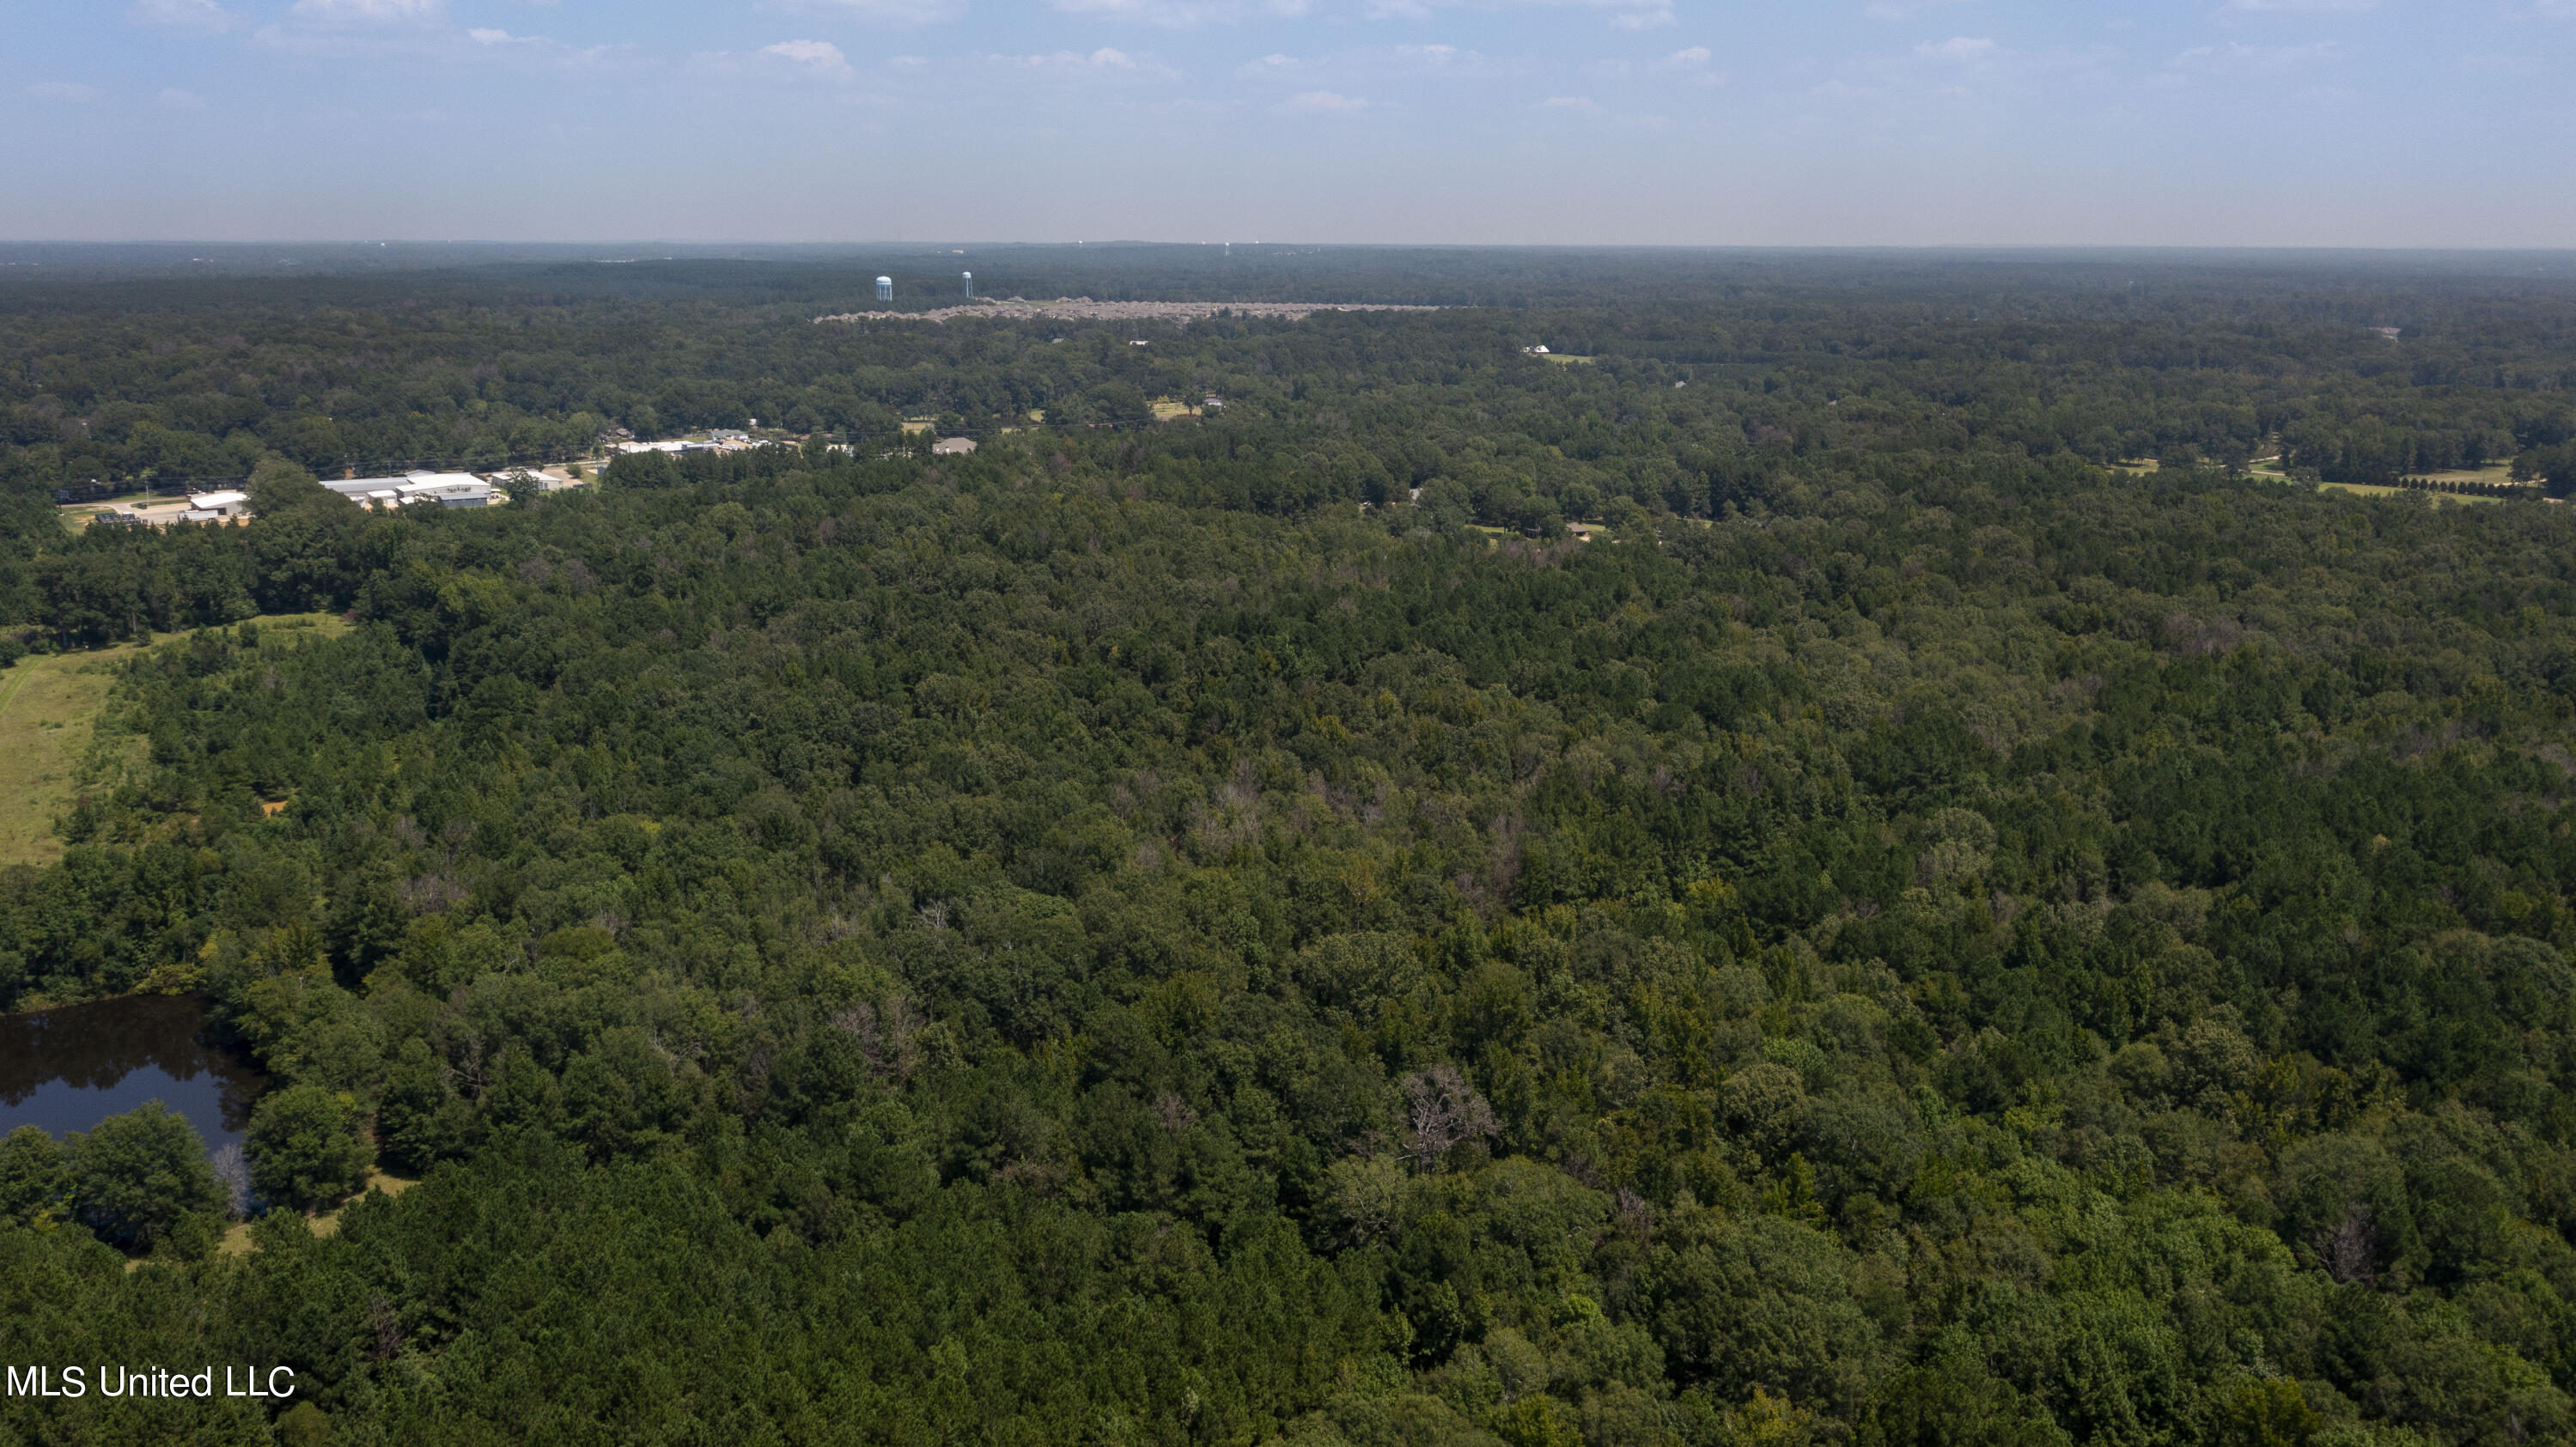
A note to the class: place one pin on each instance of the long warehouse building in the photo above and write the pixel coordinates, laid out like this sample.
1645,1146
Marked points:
449,489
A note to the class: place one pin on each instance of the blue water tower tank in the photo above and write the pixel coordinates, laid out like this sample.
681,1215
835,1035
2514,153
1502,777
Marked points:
885,288
970,282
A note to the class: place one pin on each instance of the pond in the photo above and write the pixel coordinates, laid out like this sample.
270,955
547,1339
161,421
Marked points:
69,1068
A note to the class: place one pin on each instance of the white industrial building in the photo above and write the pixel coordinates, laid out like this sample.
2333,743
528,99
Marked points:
723,440
533,480
448,489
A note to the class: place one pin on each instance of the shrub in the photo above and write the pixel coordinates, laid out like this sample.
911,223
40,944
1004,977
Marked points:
136,1176
305,1148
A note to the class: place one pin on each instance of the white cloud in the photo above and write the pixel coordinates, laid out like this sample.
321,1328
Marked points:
1441,60
202,16
806,59
1183,14
368,12
904,13
175,99
1593,111
2235,59
1939,73
1104,64
1624,14
1169,14
545,50
1325,102
1371,67
1691,65
68,92
1102,59
1271,65
821,57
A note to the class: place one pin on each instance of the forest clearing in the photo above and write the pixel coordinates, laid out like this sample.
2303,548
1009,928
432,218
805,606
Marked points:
49,705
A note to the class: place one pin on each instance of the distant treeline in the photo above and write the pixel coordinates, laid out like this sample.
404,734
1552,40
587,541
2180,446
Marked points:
129,381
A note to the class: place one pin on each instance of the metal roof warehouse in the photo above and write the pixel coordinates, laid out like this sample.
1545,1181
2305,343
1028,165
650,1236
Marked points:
451,489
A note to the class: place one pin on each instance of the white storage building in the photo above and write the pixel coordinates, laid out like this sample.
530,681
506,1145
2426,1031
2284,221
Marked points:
450,489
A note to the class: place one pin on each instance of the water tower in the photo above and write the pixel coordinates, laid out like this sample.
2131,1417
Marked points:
970,283
885,288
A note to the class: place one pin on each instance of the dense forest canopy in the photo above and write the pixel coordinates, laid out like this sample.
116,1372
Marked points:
1240,928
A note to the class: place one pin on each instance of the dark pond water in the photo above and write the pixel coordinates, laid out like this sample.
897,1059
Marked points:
70,1068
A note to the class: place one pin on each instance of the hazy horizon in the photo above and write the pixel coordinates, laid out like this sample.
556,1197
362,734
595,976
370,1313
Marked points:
714,248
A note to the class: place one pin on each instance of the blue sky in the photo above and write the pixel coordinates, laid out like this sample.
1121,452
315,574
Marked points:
1841,122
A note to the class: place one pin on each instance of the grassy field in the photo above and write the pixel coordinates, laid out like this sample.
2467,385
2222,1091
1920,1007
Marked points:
2268,469
2499,474
2493,475
297,625
2440,499
1563,360
49,708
